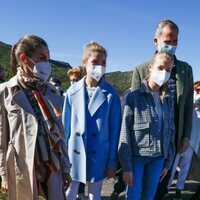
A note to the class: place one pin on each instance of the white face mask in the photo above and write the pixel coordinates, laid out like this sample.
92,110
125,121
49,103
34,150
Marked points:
160,77
41,70
96,71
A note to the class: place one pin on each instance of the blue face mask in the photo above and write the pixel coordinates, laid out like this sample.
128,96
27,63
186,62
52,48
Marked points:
168,48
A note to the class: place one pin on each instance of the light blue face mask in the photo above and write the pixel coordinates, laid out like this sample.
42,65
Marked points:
168,48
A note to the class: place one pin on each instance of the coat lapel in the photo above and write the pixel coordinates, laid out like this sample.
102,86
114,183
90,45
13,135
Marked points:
180,74
19,96
53,98
98,98
78,101
29,122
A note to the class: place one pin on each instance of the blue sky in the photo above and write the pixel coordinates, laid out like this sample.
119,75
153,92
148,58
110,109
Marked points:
124,27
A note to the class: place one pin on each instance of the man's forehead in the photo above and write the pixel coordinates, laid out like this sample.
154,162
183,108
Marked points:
167,30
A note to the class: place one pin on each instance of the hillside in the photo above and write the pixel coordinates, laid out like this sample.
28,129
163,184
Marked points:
120,80
59,68
4,55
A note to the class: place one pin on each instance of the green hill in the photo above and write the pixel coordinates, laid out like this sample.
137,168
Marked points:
120,80
59,69
4,56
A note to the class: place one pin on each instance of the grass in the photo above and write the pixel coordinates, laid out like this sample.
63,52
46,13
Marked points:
4,196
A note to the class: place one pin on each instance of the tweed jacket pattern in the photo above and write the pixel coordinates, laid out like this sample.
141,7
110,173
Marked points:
184,94
140,127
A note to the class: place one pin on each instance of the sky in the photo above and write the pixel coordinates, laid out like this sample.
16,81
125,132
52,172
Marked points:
125,28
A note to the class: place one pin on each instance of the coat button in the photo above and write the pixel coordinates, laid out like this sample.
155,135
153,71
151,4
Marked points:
77,134
93,152
77,152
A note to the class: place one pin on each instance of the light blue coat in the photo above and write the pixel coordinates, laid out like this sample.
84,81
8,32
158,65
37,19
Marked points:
92,131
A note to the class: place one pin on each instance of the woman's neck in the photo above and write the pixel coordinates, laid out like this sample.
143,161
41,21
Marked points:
153,86
90,82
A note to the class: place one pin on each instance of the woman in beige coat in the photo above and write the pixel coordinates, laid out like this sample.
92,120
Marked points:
33,152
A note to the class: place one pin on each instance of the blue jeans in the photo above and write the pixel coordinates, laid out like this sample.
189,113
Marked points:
146,174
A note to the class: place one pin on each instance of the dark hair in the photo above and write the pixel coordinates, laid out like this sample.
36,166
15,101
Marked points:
28,45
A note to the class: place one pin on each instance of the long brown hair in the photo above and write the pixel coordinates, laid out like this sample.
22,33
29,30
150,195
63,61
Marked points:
28,45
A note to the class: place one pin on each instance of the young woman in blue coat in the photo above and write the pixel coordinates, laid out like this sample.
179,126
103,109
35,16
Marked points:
91,117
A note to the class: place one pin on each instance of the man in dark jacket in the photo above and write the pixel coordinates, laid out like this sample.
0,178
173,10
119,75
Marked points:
181,85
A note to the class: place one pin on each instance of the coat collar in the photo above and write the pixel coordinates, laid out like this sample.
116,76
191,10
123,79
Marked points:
145,89
180,76
78,96
97,99
20,98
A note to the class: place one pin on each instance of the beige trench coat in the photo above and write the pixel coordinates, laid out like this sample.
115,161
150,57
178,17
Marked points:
18,133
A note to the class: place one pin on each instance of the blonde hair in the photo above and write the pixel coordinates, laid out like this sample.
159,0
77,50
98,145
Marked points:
166,54
170,57
77,71
93,47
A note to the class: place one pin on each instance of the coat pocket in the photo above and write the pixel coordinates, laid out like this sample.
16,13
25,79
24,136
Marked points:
141,134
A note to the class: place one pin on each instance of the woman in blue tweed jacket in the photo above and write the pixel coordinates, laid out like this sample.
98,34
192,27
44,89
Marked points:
146,148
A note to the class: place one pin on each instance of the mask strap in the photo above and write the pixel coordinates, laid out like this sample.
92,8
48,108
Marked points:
31,60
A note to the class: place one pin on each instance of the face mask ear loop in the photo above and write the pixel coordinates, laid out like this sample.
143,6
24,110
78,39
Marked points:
31,60
29,66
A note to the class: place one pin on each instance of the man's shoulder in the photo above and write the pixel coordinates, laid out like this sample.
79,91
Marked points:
144,65
180,63
142,68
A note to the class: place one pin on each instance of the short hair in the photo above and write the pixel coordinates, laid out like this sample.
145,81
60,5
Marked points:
93,47
77,71
197,85
162,24
168,55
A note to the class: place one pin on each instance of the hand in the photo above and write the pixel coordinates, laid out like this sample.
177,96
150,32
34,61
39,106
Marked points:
110,173
4,186
163,174
128,178
67,180
184,145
